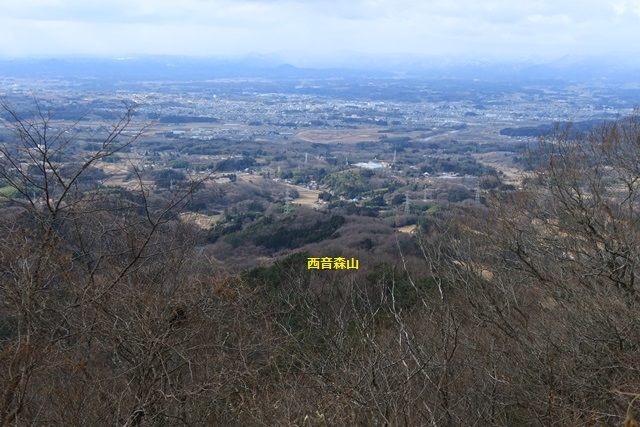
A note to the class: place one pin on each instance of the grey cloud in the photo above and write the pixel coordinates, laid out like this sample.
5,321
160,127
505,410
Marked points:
319,27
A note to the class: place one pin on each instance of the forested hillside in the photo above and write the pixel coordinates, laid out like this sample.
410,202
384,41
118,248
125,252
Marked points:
520,311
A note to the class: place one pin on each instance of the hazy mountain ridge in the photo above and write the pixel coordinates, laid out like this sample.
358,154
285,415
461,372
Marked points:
568,68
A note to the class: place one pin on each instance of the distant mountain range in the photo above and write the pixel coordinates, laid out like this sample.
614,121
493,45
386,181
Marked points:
569,68
165,68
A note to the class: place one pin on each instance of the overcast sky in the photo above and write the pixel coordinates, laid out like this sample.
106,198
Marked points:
304,31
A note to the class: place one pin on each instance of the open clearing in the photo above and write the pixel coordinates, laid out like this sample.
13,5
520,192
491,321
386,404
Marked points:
408,229
501,161
346,136
118,176
203,221
306,197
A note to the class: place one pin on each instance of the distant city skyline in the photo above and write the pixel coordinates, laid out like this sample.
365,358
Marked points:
321,32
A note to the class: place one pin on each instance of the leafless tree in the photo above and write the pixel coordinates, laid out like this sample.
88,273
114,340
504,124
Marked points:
521,314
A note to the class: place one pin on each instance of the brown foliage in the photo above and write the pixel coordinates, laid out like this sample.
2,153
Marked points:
525,317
